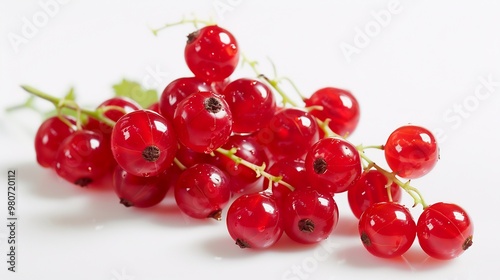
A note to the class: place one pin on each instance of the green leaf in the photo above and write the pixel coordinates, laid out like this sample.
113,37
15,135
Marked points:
133,90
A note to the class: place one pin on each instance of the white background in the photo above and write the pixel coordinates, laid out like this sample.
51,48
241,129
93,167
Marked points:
426,63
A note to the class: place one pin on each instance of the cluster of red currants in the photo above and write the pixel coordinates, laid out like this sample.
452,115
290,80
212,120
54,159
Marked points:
217,141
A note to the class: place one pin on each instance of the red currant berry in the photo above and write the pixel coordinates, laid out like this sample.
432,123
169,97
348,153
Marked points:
202,191
290,133
127,105
254,221
211,53
83,157
333,165
242,178
387,229
48,139
444,230
252,104
369,189
411,151
189,157
144,143
138,191
203,121
292,171
309,216
176,91
340,106
219,86
155,107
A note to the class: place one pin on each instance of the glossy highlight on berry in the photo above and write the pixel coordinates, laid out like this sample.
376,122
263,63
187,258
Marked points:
444,230
339,106
211,53
387,229
370,188
333,165
309,216
144,143
290,133
202,191
252,102
411,151
138,191
203,122
49,136
83,157
254,221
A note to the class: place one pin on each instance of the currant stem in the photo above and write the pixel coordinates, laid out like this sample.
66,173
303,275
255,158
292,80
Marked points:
279,79
259,170
60,103
388,189
323,125
314,107
179,164
112,107
26,104
362,147
294,86
194,21
272,82
413,192
278,89
251,63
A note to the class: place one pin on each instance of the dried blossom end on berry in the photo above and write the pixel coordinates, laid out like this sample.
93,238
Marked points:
213,105
467,243
216,215
306,225
365,239
192,36
126,203
151,153
320,166
83,182
242,244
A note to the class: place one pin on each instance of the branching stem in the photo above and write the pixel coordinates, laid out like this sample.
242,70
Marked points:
60,103
194,21
412,191
259,170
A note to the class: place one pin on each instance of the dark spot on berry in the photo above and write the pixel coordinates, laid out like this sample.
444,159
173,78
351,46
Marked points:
217,214
213,105
365,239
242,244
151,153
126,202
83,182
306,225
192,36
467,243
320,165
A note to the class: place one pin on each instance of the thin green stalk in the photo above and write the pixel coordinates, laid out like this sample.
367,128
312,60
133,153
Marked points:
179,164
259,170
194,21
272,82
323,125
284,96
413,192
60,103
294,86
